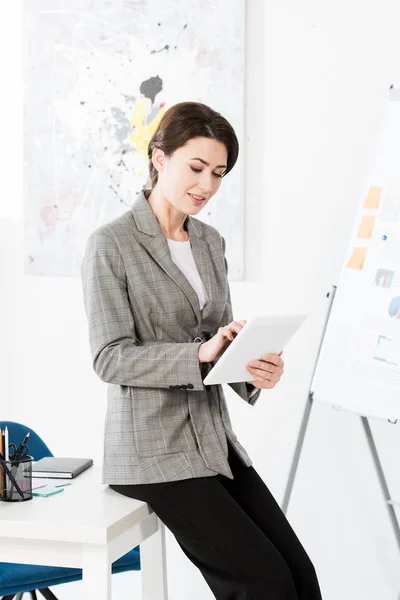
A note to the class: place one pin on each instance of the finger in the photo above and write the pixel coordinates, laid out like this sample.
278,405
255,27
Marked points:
260,374
262,364
261,384
265,375
236,326
226,333
231,330
275,359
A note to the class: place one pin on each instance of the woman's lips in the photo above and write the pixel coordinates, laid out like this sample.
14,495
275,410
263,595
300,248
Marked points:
195,200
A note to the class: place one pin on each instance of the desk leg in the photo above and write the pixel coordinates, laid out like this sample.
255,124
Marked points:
153,566
96,572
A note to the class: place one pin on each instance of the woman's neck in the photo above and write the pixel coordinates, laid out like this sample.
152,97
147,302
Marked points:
171,219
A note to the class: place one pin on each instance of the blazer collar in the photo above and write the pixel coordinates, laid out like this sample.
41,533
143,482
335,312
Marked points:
154,240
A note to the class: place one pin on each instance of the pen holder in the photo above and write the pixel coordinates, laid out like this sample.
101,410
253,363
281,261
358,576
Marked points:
16,480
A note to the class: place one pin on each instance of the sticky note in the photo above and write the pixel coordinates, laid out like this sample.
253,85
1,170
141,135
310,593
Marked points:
373,197
48,490
366,227
37,485
357,259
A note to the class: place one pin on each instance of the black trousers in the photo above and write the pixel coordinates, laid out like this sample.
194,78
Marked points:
235,533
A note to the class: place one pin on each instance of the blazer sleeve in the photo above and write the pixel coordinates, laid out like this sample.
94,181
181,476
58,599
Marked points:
247,391
117,357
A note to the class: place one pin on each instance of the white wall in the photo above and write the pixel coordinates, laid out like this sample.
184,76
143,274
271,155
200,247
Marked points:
318,79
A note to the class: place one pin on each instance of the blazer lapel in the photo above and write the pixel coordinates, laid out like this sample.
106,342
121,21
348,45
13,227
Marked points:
201,251
155,241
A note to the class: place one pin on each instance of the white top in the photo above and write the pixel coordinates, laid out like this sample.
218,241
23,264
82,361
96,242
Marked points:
182,256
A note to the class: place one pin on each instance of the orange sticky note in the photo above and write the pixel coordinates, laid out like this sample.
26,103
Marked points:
373,198
357,259
366,227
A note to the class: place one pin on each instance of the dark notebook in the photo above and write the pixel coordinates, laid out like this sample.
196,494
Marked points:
60,468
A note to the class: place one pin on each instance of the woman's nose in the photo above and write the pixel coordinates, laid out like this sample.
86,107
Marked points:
206,182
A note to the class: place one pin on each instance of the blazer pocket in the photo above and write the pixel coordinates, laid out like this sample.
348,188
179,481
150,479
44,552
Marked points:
173,467
161,422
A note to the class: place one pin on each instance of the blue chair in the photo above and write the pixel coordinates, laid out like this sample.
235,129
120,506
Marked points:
17,579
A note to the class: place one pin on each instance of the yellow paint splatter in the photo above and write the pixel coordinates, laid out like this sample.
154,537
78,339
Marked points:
144,131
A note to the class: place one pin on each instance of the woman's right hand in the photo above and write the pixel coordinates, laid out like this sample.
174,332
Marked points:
216,346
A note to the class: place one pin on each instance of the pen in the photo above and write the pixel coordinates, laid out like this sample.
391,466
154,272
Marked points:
19,451
62,484
26,438
6,454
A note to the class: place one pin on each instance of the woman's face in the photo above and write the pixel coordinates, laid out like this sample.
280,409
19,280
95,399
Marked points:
192,174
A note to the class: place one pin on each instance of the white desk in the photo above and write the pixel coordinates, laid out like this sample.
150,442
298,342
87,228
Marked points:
88,526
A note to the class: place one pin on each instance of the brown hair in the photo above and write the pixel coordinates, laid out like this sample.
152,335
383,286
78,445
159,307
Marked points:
187,120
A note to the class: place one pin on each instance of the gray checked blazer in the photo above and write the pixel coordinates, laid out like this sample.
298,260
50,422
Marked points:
145,326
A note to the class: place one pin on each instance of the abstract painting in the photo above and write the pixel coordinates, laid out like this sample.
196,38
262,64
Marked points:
98,76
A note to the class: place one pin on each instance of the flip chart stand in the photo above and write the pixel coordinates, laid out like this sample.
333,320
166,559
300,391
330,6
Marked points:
371,443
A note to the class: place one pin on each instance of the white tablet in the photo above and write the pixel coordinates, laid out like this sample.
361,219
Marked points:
260,335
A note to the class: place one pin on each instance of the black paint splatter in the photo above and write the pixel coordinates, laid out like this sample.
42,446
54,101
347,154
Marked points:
118,196
166,47
151,87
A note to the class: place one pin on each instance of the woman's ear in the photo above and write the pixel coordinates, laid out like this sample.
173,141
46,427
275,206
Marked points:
158,159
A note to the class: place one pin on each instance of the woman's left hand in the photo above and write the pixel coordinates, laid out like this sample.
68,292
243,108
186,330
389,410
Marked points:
267,371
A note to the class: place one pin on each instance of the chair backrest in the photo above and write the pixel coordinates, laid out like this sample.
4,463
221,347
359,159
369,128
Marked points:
16,433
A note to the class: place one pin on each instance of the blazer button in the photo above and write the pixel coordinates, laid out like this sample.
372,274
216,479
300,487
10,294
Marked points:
171,387
190,386
184,387
198,339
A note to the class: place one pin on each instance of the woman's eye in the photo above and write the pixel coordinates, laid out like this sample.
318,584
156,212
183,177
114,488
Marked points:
200,170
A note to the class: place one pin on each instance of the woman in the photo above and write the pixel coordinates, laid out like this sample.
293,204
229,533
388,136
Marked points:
159,312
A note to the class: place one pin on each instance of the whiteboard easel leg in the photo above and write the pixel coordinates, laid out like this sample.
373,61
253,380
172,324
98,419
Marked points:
307,411
297,453
382,479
